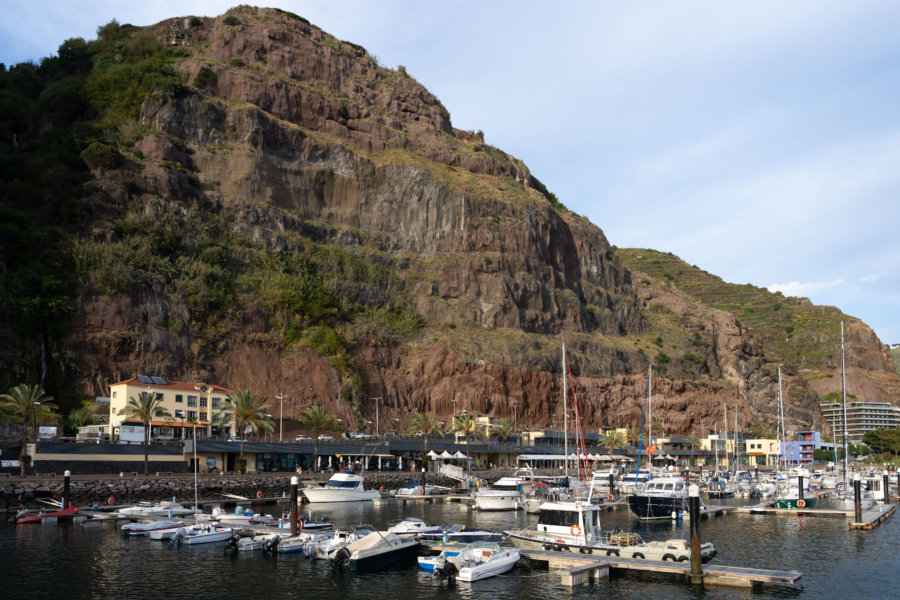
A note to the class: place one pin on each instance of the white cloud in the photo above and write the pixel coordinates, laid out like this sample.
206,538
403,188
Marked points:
796,288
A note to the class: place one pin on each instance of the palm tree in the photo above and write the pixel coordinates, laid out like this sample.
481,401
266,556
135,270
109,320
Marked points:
633,435
693,441
424,424
27,402
504,428
613,441
244,411
318,419
143,409
465,424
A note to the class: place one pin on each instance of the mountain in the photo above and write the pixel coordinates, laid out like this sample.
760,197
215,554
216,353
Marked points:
249,201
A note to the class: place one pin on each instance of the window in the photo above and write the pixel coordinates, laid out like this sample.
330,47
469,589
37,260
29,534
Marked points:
192,414
114,394
215,402
202,415
192,400
179,398
202,401
215,417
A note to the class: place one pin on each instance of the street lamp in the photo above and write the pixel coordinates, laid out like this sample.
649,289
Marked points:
281,398
34,422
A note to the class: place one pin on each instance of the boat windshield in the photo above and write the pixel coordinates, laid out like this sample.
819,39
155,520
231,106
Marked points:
342,484
558,517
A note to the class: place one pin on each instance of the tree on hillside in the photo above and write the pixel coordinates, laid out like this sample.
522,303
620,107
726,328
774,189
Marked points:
883,440
633,436
244,411
317,418
28,403
693,441
143,409
465,424
613,441
424,424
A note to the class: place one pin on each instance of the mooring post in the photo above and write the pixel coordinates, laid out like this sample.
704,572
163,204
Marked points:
612,489
65,500
800,488
886,482
696,559
756,473
857,498
294,482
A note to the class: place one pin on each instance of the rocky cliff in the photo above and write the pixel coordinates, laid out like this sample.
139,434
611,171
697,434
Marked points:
288,216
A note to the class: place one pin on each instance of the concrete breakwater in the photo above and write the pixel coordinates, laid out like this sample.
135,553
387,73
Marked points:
130,489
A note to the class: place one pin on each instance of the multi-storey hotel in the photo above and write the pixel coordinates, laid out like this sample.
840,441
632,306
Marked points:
191,406
862,417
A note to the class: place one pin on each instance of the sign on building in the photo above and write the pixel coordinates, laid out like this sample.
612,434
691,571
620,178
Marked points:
131,433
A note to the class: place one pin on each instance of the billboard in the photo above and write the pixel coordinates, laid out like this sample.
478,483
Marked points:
46,432
131,433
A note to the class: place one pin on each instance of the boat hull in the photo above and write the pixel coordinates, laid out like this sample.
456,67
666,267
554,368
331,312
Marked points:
656,507
496,566
396,557
791,503
649,551
325,494
497,501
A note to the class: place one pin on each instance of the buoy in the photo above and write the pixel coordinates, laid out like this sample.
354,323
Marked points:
259,493
575,529
801,503
421,491
111,500
610,497
299,525
381,489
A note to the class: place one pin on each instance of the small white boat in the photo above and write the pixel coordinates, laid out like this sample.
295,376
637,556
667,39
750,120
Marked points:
478,561
377,550
137,529
268,542
163,534
411,526
321,546
428,563
161,509
239,517
494,499
342,487
415,488
201,534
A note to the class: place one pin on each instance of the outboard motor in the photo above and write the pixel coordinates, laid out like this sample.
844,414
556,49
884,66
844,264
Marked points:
339,559
21,514
272,545
178,537
446,571
232,543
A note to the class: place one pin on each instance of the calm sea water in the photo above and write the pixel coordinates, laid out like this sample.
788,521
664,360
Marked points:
68,561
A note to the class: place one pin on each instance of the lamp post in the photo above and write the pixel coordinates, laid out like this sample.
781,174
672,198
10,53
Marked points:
34,421
281,398
515,416
376,415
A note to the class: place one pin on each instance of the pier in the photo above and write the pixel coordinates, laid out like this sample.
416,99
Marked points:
870,518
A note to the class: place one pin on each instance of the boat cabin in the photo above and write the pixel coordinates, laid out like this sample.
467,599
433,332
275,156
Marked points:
568,518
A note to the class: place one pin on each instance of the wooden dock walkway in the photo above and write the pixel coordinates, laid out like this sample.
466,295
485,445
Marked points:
870,518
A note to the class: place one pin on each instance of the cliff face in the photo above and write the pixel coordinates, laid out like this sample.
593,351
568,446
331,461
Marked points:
298,137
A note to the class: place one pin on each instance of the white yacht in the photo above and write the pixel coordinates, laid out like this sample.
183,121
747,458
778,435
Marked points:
342,487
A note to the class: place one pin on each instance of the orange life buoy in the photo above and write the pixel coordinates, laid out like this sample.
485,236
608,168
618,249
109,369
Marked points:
299,525
575,529
801,503
610,497
111,500
259,493
381,489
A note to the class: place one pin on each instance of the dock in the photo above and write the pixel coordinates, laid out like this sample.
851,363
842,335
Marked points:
870,518
577,569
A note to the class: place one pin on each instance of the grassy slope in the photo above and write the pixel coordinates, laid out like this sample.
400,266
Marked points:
790,330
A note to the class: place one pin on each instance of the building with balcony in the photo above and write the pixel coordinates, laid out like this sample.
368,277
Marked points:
800,451
862,417
193,406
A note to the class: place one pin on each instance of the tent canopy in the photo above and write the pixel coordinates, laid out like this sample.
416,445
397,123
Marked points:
433,454
459,455
446,454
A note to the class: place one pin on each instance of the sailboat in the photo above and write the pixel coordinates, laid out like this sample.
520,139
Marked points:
789,496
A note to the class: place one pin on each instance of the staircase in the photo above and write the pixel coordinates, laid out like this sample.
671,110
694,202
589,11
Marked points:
457,473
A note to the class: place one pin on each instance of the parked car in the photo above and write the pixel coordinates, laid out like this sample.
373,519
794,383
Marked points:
363,436
303,438
390,433
325,436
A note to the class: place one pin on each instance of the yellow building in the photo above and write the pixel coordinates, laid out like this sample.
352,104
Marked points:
192,406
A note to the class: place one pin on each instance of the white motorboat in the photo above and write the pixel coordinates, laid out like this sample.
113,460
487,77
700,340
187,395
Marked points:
660,499
201,534
411,526
268,542
492,499
161,509
320,547
377,550
342,487
415,488
429,563
240,516
164,534
478,561
137,529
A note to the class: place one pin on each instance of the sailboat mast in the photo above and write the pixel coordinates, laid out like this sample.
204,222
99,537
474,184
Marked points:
650,419
780,436
844,405
565,413
737,452
727,462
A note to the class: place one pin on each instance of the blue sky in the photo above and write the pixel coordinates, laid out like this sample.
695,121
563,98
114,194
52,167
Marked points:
759,140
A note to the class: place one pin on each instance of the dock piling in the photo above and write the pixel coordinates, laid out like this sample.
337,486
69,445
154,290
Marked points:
857,498
800,488
887,488
696,558
294,482
65,500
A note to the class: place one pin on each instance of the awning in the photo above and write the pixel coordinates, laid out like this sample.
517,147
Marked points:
433,454
459,455
446,455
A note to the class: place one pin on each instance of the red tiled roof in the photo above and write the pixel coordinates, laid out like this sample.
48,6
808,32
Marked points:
177,385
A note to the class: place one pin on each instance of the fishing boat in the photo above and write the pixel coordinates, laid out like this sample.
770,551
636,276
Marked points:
574,526
139,529
411,527
342,487
201,534
478,561
379,549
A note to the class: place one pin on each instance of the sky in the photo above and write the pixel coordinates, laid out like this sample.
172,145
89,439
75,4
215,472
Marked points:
757,140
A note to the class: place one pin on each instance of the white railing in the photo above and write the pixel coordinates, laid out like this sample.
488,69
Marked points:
456,472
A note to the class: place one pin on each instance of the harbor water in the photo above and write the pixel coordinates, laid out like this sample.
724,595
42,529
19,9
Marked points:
70,561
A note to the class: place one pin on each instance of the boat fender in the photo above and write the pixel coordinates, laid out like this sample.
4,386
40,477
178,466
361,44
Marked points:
421,491
381,489
546,546
259,493
299,525
575,530
669,557
637,555
801,503
111,500
610,497
612,552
